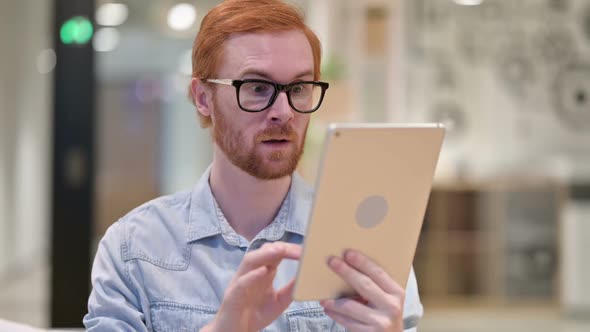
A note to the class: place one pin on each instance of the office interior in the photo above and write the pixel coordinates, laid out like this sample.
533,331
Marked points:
504,240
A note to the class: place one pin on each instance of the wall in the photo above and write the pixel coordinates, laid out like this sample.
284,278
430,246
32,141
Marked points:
511,79
514,89
25,150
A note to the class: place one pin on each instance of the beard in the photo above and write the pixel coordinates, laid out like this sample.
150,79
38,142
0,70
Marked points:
260,164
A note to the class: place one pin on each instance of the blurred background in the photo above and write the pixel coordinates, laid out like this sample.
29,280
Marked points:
94,120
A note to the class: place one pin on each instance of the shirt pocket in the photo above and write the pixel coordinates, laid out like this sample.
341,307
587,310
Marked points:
312,320
176,317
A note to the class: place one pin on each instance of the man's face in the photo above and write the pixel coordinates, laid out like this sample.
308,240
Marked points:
267,144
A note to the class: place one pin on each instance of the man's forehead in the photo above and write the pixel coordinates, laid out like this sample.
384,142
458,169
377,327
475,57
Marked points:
280,55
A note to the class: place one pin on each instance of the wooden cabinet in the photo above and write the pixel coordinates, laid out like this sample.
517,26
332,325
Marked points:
490,243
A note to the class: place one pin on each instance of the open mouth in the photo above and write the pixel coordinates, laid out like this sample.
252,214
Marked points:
275,141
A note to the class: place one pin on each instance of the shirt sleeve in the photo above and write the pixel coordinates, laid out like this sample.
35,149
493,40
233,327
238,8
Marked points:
113,304
413,310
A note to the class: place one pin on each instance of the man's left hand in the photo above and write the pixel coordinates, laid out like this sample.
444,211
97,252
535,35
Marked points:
379,306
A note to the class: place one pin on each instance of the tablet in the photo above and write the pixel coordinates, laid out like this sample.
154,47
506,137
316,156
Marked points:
371,192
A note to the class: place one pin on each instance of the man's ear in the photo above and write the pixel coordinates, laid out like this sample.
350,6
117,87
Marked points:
202,96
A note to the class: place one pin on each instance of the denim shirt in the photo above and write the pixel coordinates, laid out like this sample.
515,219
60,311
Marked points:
165,265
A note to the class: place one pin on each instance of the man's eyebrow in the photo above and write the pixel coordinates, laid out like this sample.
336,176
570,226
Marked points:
268,75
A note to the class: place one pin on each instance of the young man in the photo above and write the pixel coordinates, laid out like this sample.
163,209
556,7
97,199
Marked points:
222,256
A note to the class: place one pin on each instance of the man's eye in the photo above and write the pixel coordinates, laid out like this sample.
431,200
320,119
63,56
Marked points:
260,88
298,89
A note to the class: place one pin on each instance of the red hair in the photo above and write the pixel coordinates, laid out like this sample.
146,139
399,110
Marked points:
234,16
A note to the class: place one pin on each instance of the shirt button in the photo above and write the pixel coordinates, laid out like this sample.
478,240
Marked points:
255,245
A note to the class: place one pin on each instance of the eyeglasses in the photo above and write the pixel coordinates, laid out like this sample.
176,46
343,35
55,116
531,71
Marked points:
255,95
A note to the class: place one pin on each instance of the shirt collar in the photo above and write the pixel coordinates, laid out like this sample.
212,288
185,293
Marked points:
300,203
206,219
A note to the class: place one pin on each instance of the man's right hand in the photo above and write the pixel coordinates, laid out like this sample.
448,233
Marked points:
250,301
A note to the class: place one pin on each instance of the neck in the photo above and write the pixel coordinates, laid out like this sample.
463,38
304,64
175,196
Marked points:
248,203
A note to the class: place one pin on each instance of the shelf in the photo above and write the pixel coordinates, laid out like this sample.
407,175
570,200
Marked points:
479,243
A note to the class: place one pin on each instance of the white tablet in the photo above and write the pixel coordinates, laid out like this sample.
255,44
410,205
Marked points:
371,192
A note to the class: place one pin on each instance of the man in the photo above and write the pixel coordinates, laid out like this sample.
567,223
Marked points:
221,257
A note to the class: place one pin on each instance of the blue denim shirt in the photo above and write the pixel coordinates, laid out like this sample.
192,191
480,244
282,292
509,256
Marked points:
166,264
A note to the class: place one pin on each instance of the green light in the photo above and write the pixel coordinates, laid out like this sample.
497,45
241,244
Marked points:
77,30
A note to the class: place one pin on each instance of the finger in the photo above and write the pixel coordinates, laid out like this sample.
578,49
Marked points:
361,283
353,309
285,294
371,269
269,255
346,321
251,279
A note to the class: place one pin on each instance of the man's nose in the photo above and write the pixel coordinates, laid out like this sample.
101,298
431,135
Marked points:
281,111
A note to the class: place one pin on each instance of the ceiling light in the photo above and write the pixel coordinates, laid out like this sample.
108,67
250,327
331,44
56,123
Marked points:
106,39
111,14
468,2
182,16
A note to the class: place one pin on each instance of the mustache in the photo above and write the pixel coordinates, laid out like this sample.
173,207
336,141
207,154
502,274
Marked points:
277,132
